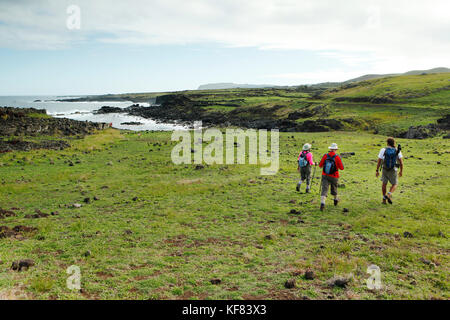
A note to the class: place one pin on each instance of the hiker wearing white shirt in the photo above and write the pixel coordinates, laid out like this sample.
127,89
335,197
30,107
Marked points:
391,158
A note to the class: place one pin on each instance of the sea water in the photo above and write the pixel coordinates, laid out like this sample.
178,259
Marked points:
84,111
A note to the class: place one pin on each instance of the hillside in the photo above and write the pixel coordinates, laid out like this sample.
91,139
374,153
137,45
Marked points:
229,85
409,73
431,89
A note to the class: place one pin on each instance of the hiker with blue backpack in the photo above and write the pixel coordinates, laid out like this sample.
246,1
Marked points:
305,162
391,158
331,163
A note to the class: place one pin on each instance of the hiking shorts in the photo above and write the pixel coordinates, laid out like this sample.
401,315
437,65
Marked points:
329,181
389,175
305,174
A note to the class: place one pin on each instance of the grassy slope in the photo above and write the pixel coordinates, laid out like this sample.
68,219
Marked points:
420,89
189,226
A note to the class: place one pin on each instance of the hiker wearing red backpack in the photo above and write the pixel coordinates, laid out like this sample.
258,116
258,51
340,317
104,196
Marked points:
391,158
331,164
305,162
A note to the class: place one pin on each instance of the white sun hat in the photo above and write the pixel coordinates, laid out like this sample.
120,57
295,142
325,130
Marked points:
306,146
333,146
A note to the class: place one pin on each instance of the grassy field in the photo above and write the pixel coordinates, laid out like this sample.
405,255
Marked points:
164,231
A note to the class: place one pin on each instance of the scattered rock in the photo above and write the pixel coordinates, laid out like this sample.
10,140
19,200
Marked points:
309,275
346,154
76,205
6,213
37,215
22,264
428,262
289,284
132,123
339,281
407,234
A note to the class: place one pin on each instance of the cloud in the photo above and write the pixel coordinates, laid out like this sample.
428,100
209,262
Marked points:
386,35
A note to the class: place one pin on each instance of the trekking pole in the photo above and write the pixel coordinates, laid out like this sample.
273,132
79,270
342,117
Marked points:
320,188
314,174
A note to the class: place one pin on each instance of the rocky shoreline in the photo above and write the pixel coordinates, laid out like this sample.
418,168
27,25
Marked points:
182,109
30,122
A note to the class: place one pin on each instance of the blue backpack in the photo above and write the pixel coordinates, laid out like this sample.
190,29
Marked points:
390,158
303,162
330,164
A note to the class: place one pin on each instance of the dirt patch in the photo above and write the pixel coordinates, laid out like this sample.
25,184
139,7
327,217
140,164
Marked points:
6,213
104,275
37,215
14,294
17,232
149,276
189,295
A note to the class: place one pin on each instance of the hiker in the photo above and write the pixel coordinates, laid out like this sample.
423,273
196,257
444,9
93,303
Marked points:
305,162
391,158
331,164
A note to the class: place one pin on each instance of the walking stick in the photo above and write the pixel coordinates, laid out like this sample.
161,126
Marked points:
314,174
320,188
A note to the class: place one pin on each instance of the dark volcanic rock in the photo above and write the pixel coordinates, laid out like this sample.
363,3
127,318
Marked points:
339,281
444,123
421,132
131,123
22,264
289,284
17,122
6,213
309,275
428,131
108,109
215,281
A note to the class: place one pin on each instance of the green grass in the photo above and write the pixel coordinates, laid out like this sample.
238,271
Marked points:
424,89
189,226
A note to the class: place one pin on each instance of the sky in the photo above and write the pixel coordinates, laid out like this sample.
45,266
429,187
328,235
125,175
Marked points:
60,47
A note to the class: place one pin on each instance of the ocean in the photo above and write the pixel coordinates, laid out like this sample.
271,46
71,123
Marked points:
84,111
